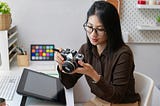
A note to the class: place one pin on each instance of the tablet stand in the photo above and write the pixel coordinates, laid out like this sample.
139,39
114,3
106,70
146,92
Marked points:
23,101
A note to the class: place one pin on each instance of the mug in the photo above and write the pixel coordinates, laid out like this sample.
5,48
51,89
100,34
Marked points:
3,102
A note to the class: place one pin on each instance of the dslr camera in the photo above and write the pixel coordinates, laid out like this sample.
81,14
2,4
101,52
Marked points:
71,58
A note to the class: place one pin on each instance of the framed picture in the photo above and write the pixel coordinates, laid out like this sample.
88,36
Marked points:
42,52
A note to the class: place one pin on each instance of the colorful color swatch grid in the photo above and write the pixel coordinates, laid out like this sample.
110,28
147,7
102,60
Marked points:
42,52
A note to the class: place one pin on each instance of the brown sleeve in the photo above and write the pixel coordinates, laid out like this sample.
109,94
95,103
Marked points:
68,80
122,73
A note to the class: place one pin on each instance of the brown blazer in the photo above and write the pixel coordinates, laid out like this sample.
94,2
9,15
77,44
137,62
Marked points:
117,84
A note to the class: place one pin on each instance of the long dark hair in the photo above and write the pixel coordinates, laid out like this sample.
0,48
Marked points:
109,18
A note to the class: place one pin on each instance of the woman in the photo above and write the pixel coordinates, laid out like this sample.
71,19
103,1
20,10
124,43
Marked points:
108,63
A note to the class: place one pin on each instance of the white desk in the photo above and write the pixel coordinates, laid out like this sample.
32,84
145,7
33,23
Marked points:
50,69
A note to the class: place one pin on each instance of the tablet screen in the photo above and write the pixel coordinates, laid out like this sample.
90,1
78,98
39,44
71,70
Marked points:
40,85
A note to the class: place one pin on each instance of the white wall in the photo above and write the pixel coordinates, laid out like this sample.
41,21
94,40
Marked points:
50,21
60,22
147,60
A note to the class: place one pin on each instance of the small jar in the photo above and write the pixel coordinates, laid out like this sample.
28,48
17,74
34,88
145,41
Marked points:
147,2
158,2
142,2
152,2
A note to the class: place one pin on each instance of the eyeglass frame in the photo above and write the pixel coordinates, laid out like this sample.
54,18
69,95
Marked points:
93,29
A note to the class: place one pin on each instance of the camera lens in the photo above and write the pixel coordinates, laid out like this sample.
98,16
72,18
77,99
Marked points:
80,55
68,66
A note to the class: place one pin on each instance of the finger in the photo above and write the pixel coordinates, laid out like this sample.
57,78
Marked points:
60,49
58,55
81,63
59,61
76,71
80,70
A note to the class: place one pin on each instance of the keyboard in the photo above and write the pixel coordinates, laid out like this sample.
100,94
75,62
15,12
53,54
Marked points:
8,86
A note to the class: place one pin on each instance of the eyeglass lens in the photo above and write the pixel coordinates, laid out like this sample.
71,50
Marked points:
90,29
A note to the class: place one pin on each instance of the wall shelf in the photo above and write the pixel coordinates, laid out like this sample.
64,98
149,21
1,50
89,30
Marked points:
12,42
148,6
13,49
12,35
148,27
8,42
12,56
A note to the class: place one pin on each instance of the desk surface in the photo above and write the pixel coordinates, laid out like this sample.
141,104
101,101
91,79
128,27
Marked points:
50,69
46,68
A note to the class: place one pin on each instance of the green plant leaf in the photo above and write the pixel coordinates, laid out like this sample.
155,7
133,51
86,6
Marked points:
4,8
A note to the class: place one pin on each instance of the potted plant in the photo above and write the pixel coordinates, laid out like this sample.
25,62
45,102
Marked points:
158,20
5,16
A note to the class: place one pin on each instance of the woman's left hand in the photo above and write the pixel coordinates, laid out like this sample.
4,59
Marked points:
88,70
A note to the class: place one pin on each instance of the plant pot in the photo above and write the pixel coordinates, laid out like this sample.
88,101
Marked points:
5,21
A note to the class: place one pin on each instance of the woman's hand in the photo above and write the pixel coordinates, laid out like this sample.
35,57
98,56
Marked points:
59,59
88,70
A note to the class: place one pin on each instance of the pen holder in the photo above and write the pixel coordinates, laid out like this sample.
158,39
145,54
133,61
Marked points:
22,60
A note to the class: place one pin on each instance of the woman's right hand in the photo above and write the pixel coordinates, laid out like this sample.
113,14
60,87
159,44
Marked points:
59,59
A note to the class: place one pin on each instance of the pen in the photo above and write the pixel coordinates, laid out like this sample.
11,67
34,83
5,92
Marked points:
21,51
24,52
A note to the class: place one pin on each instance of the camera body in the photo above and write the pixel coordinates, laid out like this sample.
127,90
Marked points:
71,58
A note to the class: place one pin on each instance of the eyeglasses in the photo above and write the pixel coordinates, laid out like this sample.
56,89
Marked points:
90,29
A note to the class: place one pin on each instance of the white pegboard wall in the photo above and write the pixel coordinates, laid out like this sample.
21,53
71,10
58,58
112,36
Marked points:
131,17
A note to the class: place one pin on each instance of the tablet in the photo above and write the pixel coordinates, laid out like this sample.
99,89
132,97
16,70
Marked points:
40,85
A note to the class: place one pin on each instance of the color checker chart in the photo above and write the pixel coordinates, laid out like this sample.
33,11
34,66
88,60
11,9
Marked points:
41,52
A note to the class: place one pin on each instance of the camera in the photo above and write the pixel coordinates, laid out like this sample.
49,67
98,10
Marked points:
71,58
